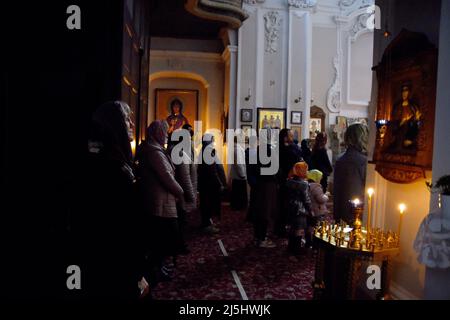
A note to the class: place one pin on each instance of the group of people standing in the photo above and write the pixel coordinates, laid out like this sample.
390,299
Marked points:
289,202
133,228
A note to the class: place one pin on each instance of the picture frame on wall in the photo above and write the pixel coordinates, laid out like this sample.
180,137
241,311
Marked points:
246,129
271,118
297,131
315,125
296,117
188,113
246,115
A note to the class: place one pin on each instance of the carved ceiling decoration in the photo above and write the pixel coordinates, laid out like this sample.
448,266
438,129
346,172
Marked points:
229,11
302,3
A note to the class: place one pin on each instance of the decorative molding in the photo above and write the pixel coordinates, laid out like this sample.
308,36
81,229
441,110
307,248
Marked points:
334,93
272,25
350,5
343,4
254,1
359,26
229,11
186,55
302,4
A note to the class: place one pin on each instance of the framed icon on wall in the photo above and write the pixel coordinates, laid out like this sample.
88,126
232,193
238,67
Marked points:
296,117
297,131
177,106
271,118
246,115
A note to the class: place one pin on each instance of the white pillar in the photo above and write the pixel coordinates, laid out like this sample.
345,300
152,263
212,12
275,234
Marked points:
233,119
437,281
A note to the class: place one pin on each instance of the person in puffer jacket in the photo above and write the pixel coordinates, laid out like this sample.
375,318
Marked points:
319,201
299,207
159,192
318,198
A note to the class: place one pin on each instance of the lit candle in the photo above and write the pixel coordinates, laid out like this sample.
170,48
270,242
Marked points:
133,146
356,202
402,208
370,192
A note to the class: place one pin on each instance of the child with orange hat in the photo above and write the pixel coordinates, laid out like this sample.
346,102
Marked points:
299,206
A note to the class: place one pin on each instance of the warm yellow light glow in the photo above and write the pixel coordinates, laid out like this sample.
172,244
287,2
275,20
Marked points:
370,192
402,208
133,146
356,202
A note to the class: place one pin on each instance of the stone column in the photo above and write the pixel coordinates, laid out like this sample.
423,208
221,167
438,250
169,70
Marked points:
437,281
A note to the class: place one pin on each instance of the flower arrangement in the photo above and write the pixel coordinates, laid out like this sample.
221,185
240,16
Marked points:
442,185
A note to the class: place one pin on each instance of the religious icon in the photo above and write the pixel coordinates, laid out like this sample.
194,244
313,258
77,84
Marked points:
246,115
271,118
176,119
315,127
405,124
177,107
406,108
296,117
297,131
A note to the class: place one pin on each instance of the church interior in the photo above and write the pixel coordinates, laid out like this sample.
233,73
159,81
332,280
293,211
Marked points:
325,78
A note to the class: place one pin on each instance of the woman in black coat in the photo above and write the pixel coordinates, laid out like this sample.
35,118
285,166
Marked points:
350,172
320,160
106,231
211,184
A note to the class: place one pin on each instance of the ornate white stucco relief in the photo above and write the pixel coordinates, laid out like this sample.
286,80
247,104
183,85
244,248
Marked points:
302,3
272,25
334,93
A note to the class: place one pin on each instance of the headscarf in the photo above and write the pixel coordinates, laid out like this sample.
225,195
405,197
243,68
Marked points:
315,175
357,137
321,141
299,170
157,131
111,132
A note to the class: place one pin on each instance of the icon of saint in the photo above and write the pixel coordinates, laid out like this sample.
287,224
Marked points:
405,124
176,119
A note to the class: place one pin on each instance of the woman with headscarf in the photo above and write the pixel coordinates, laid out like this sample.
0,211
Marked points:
159,192
320,160
107,231
211,184
265,193
306,152
290,154
350,172
299,207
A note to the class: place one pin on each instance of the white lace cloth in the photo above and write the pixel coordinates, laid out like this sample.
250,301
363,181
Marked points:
432,242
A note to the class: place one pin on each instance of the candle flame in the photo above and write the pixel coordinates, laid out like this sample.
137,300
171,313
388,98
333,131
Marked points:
402,208
370,191
356,202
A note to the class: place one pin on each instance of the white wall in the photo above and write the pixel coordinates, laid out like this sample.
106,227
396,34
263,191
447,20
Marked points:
309,39
437,282
324,50
408,275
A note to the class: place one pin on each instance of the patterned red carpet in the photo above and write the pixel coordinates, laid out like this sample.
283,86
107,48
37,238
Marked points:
205,274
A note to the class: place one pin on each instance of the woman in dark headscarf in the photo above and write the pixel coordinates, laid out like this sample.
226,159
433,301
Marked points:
306,152
107,230
211,184
350,172
159,194
320,160
290,154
